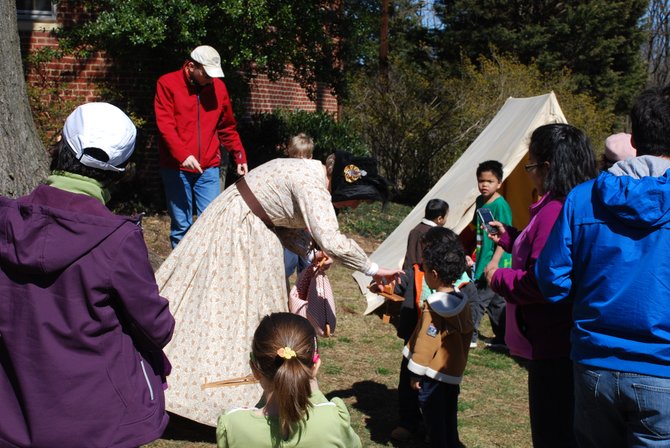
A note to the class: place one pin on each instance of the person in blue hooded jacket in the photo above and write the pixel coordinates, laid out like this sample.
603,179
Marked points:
608,253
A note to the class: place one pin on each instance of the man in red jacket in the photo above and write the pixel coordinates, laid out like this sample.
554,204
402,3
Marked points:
194,118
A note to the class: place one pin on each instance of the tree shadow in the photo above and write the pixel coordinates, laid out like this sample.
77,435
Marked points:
380,406
389,312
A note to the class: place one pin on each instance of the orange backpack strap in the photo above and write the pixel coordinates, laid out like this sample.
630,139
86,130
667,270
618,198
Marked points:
418,286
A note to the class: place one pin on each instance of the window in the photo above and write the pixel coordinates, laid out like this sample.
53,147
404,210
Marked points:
35,9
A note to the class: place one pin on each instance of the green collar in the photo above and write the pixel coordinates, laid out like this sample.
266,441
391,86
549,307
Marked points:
74,183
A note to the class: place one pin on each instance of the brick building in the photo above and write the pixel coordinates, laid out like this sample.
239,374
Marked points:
93,78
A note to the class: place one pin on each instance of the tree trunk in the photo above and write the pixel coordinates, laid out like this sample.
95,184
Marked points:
23,160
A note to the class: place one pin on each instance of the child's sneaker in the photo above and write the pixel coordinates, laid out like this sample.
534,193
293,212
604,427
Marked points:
473,341
401,434
497,346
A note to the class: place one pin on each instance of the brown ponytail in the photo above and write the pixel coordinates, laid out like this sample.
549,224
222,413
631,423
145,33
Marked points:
283,349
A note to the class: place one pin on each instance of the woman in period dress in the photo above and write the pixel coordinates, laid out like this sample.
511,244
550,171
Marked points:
228,271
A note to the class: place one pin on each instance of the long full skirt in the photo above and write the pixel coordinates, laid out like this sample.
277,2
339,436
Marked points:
221,279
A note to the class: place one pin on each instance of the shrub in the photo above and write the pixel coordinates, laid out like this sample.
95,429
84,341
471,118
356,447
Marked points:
45,94
329,135
265,135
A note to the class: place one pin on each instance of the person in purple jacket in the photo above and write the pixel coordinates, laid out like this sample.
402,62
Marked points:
560,157
82,325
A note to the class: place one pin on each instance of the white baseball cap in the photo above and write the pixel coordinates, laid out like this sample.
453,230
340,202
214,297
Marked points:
102,126
210,60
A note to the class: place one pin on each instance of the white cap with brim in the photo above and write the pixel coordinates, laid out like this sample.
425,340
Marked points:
102,126
210,60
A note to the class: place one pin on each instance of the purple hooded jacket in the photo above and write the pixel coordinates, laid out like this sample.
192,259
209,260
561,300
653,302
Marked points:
82,326
536,328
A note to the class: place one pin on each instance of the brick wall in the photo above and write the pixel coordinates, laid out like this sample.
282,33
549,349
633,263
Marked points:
266,96
80,78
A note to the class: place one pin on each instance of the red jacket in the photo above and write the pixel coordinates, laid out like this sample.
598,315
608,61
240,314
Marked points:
194,120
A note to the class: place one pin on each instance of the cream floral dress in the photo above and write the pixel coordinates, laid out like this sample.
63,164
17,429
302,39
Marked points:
228,272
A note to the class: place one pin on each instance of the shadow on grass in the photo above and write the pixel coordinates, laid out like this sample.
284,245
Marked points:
181,428
380,406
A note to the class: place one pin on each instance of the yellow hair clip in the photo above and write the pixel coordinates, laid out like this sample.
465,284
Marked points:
286,353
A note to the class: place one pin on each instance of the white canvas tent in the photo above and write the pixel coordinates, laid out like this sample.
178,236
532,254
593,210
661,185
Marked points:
505,139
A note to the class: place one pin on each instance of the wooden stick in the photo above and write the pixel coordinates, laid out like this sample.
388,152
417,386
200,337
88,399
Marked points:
390,296
249,379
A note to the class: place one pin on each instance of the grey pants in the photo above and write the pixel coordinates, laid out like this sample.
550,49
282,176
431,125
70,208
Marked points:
487,301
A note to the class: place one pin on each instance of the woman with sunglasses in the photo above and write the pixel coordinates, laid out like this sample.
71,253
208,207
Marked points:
560,157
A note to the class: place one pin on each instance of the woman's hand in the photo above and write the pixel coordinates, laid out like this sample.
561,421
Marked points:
385,276
323,258
500,227
375,287
382,288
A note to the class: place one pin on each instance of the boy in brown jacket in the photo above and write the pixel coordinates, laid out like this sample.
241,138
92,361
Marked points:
437,352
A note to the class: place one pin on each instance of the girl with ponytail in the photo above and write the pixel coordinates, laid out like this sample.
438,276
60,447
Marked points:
293,412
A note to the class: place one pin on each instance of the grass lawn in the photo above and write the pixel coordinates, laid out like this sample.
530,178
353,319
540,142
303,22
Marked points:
362,360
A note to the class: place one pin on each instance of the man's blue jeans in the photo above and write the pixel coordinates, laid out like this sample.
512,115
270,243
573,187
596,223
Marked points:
181,187
293,261
620,409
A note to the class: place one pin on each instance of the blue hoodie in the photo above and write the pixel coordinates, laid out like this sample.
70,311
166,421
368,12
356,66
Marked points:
610,252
